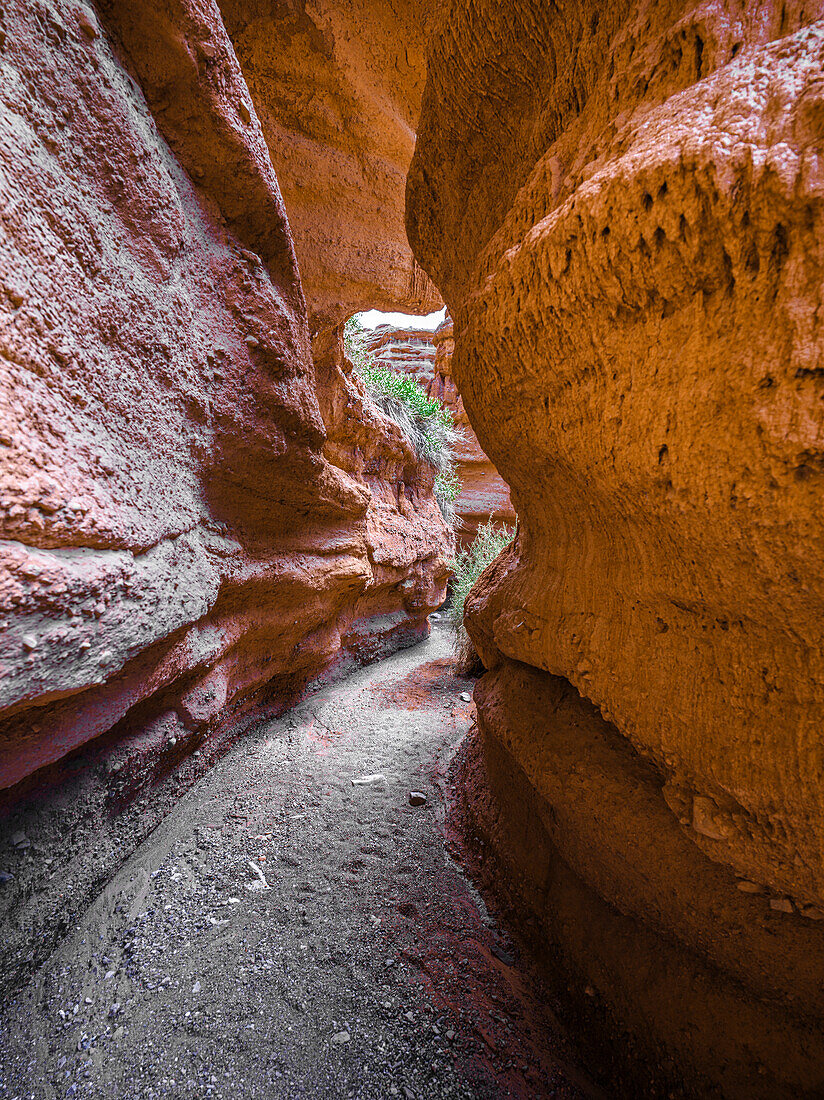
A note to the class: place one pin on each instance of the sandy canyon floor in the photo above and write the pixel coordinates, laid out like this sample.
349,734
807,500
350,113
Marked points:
287,932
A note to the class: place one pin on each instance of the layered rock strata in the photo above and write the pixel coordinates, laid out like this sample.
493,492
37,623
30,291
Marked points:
622,206
197,518
484,494
427,356
406,350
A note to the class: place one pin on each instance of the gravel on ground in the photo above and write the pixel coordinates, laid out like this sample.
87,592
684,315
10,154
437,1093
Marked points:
295,927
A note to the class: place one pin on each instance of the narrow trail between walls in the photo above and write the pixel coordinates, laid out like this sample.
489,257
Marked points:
286,932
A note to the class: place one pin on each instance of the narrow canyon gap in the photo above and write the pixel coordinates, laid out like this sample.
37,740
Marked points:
204,516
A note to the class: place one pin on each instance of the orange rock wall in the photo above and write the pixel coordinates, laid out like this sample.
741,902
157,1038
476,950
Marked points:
337,88
484,494
197,518
622,205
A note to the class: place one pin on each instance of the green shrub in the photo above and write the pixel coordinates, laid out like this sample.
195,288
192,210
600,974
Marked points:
469,564
425,421
353,335
446,491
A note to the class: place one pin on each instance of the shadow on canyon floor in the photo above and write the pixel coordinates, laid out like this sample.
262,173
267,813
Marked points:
286,932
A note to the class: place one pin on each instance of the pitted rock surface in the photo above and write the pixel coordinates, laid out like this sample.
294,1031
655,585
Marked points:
622,206
198,516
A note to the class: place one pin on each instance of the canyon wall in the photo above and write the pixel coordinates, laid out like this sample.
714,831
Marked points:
198,517
405,350
427,356
622,206
337,88
484,494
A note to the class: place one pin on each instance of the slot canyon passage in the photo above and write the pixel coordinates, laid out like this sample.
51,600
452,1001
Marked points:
224,675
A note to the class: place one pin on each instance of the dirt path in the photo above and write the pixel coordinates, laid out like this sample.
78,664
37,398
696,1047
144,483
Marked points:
285,933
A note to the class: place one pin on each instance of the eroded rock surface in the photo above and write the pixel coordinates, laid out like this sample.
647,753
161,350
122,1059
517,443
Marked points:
197,519
427,356
407,350
337,89
484,494
622,205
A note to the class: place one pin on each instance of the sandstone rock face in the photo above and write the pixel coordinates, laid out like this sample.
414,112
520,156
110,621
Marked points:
484,494
427,356
197,518
406,350
337,88
623,209
406,539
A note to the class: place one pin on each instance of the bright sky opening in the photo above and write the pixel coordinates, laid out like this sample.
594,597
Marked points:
373,317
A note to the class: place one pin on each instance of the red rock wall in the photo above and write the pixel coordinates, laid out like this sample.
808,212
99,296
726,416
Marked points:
337,89
622,207
201,514
407,350
185,524
484,494
427,356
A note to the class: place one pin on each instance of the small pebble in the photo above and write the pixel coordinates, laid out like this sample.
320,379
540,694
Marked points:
196,987
466,697
5,876
87,26
417,798
341,1037
506,958
749,887
781,905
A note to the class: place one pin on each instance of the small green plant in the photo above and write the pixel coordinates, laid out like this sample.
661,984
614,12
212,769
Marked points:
447,489
353,336
469,564
425,421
